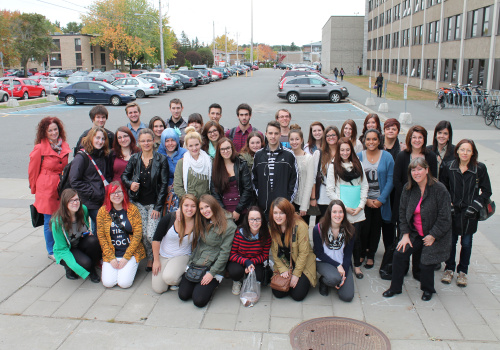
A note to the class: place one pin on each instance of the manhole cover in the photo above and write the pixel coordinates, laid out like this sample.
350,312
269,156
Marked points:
337,333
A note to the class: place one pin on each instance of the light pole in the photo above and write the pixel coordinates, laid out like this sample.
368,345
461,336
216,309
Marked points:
251,32
162,53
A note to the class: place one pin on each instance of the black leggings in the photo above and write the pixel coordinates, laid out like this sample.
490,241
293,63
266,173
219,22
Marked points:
298,293
357,252
200,294
237,271
371,231
87,253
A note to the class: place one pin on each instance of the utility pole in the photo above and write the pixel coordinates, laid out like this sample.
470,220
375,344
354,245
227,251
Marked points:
225,35
161,40
214,40
237,48
251,32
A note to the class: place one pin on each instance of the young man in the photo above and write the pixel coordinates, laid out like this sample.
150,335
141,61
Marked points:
133,112
99,115
215,113
275,171
176,120
240,133
283,116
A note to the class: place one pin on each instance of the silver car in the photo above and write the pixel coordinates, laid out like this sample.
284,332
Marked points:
139,86
52,84
310,88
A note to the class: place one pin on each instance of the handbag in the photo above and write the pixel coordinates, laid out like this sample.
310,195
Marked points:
36,218
279,282
313,211
487,210
195,273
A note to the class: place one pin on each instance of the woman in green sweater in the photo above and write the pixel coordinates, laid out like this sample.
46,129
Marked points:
211,254
75,247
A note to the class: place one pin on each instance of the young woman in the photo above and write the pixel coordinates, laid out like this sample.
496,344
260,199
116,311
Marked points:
123,147
211,253
372,121
307,175
173,243
350,131
425,223
333,246
193,173
346,181
380,84
157,125
211,134
75,246
119,230
378,166
91,172
315,141
442,145
231,180
146,178
255,141
391,140
196,120
469,185
327,156
47,161
250,248
292,254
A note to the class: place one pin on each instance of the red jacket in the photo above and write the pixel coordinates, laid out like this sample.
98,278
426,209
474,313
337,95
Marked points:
44,176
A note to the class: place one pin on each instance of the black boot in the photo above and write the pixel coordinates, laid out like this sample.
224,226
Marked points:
70,274
94,277
323,288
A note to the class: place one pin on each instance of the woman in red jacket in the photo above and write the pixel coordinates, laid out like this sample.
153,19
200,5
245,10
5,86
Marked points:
47,161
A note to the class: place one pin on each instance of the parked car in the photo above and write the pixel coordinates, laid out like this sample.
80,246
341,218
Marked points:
94,74
216,75
63,73
80,73
310,88
52,85
161,83
120,75
16,73
196,75
298,73
223,71
107,78
4,96
136,72
167,77
205,72
185,80
24,88
73,79
183,68
140,87
94,92
44,73
112,71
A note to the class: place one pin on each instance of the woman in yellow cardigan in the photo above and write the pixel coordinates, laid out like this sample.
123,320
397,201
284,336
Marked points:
119,229
286,226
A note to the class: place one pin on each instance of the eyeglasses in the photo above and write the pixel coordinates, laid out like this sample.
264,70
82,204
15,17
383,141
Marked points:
74,201
331,136
255,221
227,149
117,193
211,132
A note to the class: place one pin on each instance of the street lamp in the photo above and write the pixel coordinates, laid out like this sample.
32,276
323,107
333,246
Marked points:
162,54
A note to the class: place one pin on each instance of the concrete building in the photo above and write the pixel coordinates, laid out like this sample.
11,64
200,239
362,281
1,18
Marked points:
342,39
432,43
74,51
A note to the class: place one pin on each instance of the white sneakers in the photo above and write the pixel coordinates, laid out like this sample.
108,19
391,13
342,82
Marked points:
447,276
461,278
236,287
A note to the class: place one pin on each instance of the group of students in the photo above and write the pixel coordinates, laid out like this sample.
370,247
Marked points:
201,202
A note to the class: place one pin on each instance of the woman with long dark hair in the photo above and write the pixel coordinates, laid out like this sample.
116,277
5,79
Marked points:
211,253
231,180
347,182
119,230
333,244
316,137
292,254
372,121
250,248
255,141
76,247
442,145
350,130
157,125
47,161
469,185
124,146
211,134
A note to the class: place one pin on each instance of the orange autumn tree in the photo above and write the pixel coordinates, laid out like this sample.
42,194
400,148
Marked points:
7,41
265,53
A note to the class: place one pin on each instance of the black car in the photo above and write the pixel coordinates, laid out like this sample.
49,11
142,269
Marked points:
162,85
185,80
195,74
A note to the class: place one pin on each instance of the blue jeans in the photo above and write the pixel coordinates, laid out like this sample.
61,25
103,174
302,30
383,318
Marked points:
465,253
93,217
47,232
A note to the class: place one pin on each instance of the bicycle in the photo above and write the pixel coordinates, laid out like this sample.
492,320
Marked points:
492,114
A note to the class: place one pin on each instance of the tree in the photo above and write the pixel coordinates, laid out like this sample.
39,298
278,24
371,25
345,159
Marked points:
193,57
31,32
247,54
72,27
220,44
185,43
207,56
294,47
265,53
10,55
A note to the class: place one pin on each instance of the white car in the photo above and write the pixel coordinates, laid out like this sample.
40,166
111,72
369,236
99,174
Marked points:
140,87
165,76
4,96
52,85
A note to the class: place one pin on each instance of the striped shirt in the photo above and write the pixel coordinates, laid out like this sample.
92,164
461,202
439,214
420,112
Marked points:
246,252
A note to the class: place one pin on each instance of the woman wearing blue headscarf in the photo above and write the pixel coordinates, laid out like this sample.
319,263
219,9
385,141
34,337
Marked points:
170,147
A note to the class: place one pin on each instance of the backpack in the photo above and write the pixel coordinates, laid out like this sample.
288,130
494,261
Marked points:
64,176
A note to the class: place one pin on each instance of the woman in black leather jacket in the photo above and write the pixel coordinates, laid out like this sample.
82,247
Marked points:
231,182
146,178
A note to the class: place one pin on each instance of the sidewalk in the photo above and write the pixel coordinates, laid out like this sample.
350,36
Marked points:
40,308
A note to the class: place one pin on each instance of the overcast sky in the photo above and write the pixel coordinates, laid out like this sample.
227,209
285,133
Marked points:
275,22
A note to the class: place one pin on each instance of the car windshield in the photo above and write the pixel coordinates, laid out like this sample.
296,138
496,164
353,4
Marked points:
108,86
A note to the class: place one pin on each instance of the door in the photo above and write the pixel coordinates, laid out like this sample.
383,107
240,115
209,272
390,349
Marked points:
81,92
317,89
97,93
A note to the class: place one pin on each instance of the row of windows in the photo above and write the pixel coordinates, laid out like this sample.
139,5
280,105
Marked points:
395,13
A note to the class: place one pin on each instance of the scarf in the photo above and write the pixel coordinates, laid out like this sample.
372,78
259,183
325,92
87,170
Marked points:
349,173
335,244
201,168
211,150
57,147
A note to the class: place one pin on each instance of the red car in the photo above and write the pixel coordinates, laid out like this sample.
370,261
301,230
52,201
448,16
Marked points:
136,72
24,88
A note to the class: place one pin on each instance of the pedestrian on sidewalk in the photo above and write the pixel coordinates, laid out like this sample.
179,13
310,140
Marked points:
379,83
425,223
469,185
336,72
47,161
342,73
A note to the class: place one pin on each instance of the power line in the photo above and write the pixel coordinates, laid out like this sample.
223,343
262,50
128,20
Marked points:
72,3
64,7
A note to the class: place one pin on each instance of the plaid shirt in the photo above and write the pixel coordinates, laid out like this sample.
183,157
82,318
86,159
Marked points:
240,137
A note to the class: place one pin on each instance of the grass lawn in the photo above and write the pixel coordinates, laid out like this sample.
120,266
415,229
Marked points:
27,103
394,91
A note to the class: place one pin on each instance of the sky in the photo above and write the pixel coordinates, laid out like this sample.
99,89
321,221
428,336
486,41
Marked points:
274,22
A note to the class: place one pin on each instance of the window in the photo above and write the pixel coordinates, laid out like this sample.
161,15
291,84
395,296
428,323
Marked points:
446,70
470,72
417,35
57,43
395,39
449,29
374,64
374,44
375,22
315,81
388,17
434,69
397,12
415,68
394,68
386,66
78,44
430,33
436,31
475,17
486,22
405,37
91,58
369,45
380,42
381,19
388,41
370,5
454,71
480,79
404,67
368,64
458,23
103,59
379,66
428,69
370,25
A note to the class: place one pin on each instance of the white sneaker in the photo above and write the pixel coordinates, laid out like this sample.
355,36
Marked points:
236,287
175,287
51,257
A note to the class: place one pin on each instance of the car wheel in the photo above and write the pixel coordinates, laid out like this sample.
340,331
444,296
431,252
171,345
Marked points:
116,101
70,100
335,97
139,94
292,97
25,95
43,94
182,87
5,98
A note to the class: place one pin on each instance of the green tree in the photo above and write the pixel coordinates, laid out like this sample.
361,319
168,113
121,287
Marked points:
72,27
247,54
294,47
207,57
220,43
185,43
31,32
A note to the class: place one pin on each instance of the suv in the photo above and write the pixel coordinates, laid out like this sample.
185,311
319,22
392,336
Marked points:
310,87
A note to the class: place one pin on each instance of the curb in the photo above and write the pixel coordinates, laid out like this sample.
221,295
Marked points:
22,108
